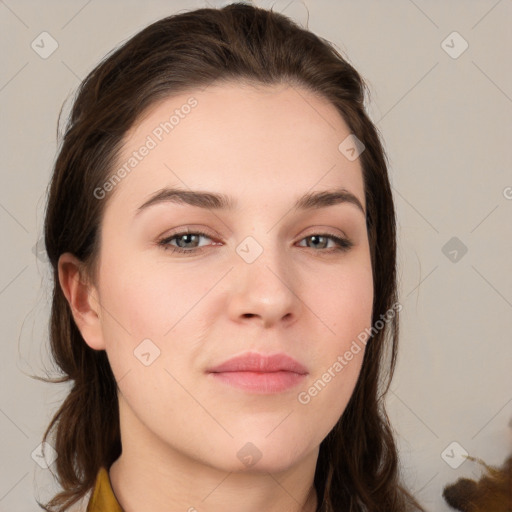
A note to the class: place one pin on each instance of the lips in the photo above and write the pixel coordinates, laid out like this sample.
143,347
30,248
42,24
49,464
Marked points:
260,374
260,363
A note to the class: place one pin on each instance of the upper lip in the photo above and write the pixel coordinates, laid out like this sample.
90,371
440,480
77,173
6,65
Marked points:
263,363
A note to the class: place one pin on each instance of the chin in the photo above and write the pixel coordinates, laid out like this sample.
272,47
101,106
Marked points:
266,455
266,464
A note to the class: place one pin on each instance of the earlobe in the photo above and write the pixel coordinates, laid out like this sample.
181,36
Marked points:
83,300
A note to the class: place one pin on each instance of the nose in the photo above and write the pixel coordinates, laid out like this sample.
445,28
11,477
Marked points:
264,291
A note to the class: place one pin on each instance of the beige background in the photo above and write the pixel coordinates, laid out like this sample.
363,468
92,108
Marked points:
446,124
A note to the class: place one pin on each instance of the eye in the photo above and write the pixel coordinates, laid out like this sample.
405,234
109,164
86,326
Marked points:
187,242
321,239
183,240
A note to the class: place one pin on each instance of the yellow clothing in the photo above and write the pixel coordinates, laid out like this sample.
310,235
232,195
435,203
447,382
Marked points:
102,497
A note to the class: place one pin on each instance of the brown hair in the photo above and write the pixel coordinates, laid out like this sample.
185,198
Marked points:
357,468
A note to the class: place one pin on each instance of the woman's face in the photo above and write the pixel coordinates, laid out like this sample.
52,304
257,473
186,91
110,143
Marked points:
263,276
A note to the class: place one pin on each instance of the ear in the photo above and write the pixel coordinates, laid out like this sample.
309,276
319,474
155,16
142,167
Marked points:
83,300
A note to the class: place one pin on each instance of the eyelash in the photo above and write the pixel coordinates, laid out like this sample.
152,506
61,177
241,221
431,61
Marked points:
344,244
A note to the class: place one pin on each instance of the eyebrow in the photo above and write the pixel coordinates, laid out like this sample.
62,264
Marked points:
214,201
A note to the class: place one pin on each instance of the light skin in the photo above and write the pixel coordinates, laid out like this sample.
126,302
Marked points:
181,430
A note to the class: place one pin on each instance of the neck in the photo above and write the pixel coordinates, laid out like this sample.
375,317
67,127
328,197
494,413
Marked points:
152,475
141,484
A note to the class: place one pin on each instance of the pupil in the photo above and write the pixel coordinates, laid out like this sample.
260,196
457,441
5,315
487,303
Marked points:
185,237
316,238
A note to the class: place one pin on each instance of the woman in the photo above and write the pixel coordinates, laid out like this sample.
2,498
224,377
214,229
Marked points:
222,234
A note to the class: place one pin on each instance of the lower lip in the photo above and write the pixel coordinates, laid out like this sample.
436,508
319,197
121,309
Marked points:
262,383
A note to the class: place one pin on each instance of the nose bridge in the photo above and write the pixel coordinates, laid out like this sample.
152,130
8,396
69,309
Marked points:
263,281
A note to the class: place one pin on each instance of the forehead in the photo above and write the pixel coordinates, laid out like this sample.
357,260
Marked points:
251,142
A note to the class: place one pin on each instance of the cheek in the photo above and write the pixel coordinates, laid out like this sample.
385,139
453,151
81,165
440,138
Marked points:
147,326
343,301
151,301
154,321
137,309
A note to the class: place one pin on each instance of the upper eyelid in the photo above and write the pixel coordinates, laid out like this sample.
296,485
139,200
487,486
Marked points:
320,232
203,231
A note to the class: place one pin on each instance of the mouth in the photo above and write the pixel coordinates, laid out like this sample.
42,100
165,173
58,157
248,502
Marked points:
260,374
